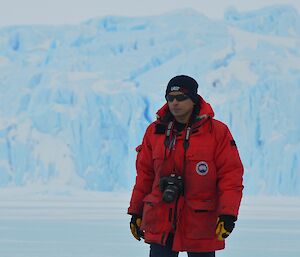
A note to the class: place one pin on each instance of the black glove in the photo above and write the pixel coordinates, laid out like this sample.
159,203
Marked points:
225,226
135,224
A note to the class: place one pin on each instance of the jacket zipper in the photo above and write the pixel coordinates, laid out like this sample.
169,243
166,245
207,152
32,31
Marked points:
170,214
175,215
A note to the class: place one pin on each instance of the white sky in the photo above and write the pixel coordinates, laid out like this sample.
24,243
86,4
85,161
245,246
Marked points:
18,12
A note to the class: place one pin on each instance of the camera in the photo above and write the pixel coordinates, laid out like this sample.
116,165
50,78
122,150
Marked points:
171,187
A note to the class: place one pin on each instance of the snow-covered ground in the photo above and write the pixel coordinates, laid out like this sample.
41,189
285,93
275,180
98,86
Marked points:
96,225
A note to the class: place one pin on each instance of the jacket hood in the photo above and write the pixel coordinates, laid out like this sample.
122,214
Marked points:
206,110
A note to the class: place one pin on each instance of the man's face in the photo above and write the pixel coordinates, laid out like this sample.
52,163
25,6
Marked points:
180,108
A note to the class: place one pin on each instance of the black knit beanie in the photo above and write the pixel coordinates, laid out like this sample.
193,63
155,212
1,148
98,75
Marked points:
184,84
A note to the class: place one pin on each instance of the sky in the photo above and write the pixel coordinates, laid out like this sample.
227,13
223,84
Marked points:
58,12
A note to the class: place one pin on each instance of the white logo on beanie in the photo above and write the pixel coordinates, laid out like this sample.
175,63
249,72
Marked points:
175,88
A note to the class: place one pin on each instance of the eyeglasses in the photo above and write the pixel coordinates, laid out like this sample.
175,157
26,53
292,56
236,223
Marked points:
179,98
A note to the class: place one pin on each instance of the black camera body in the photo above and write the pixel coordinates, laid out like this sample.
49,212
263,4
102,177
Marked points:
171,187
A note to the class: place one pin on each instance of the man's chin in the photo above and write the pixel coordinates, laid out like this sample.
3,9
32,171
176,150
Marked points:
177,112
177,116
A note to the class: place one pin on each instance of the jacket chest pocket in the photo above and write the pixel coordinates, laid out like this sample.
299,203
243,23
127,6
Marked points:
200,172
162,167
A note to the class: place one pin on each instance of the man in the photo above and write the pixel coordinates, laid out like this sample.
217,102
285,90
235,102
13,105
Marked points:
189,177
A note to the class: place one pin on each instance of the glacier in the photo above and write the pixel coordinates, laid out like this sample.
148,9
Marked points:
75,99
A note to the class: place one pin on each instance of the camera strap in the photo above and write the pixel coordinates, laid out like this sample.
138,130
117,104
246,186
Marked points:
186,145
186,138
168,135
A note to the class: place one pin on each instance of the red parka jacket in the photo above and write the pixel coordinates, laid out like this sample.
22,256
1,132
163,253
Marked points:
212,173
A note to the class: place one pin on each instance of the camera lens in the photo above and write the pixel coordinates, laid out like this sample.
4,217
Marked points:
169,194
